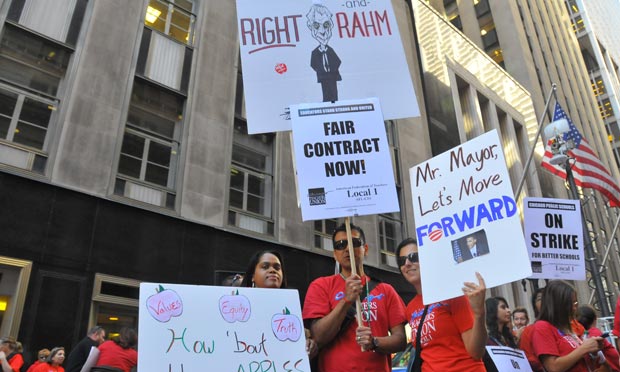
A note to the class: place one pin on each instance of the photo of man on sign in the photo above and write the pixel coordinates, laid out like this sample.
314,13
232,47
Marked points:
470,246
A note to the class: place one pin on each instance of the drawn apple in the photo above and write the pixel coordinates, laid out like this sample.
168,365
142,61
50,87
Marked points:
281,68
235,307
165,304
286,326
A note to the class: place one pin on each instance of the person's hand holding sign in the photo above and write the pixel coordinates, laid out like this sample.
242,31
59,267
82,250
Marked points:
475,338
476,293
353,288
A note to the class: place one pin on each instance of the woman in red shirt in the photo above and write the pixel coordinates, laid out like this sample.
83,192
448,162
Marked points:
10,359
554,341
120,352
453,336
586,316
53,362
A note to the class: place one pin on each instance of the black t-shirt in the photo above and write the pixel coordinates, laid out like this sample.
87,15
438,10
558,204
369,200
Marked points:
79,354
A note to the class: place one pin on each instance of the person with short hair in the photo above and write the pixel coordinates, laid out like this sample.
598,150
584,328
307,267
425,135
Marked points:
41,358
53,363
10,359
77,357
330,314
520,319
120,352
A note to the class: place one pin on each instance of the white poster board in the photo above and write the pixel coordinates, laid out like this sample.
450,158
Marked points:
467,219
554,237
190,328
91,360
507,359
300,51
344,167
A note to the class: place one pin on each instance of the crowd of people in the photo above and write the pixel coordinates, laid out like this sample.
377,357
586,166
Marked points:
116,355
447,336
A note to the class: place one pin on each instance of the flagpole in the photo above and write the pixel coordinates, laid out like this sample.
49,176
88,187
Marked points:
531,155
607,250
590,256
588,251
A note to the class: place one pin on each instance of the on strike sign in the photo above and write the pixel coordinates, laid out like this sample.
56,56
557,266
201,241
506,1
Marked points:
554,237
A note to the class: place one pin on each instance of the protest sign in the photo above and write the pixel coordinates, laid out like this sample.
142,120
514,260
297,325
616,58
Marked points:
507,359
467,219
300,51
343,159
190,328
554,238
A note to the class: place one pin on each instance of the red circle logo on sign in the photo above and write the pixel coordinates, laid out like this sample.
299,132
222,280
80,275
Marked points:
435,235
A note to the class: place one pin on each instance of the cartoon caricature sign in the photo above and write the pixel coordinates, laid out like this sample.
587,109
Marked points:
186,328
467,219
300,51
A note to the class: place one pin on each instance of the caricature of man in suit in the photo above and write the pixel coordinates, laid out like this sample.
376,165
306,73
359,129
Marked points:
324,60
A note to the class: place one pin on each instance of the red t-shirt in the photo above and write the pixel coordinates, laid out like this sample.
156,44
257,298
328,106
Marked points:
525,344
610,352
16,362
46,367
548,340
383,307
112,355
616,330
443,349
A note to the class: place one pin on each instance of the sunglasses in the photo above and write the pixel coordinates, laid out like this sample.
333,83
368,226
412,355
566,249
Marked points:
342,244
412,257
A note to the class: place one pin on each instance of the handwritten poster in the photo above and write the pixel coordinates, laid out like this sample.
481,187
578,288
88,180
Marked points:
344,167
467,219
554,237
190,328
299,51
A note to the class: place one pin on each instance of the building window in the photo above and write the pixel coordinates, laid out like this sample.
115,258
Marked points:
32,62
15,275
149,153
452,13
166,46
323,230
598,86
60,19
482,7
251,180
31,72
391,224
605,109
173,18
24,118
390,234
115,303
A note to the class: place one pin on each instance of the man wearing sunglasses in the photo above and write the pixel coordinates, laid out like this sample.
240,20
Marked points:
329,313
79,354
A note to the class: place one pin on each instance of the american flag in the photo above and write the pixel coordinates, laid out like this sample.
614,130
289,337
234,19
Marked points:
588,170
